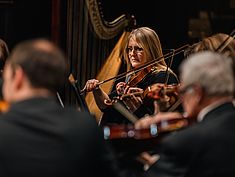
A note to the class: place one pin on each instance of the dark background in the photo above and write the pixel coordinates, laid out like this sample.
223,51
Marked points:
23,19
176,22
171,19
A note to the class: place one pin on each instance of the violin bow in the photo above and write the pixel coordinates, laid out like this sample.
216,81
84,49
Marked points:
147,64
169,66
226,42
60,100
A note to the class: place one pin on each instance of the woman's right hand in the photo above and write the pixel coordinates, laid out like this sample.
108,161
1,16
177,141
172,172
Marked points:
91,85
99,95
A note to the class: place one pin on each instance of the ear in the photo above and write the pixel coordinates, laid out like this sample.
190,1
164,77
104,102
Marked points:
19,78
199,91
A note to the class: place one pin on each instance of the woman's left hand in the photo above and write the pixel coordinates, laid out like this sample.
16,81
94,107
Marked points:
132,98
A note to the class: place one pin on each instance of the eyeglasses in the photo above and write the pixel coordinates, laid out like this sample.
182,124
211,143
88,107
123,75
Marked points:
187,89
136,49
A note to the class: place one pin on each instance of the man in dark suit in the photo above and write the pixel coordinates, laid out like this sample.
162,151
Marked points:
38,137
205,149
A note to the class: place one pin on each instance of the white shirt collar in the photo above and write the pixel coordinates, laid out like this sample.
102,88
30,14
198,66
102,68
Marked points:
210,107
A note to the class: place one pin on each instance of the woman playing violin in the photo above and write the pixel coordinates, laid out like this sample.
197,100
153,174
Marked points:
143,45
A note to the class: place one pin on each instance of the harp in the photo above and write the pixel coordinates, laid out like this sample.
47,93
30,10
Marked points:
94,47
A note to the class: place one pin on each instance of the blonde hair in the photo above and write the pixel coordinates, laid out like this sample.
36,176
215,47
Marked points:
150,42
213,42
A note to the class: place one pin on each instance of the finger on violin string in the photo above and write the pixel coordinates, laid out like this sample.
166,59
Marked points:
120,87
133,90
134,98
126,89
138,99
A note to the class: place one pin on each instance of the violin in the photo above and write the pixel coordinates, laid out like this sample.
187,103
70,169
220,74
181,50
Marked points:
125,136
140,76
125,139
167,96
113,131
